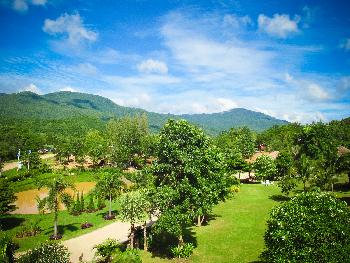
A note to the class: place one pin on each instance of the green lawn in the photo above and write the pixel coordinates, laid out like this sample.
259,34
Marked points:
69,225
236,233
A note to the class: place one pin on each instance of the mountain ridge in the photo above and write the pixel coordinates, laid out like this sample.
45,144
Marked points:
63,104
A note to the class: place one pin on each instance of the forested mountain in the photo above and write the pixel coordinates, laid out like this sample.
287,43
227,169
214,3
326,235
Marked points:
63,105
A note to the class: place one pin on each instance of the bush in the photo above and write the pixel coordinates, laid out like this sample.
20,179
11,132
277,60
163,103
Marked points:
311,227
47,252
112,251
183,252
86,225
7,249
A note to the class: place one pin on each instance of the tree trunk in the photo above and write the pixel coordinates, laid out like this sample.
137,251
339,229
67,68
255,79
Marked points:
132,236
181,241
202,219
199,222
304,186
110,205
145,236
332,187
55,226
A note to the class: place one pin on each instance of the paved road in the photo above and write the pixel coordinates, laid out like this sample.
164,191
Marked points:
84,244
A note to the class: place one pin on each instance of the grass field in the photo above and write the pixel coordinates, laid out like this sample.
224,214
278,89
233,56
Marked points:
69,225
236,232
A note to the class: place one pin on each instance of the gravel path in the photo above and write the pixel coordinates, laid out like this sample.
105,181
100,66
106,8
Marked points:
13,165
84,244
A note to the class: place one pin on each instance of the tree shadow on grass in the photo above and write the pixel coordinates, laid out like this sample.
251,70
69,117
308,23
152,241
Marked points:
62,229
341,187
9,222
163,243
279,198
104,213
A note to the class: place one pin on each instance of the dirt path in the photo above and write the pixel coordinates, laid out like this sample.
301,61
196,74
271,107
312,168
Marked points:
13,165
83,245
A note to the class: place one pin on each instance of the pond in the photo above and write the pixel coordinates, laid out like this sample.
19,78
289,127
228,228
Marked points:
26,201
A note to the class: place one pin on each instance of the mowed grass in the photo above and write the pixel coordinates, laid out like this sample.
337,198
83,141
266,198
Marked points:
69,225
236,233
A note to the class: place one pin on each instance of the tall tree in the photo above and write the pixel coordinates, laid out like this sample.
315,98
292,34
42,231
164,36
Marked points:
133,210
265,167
57,194
109,186
189,170
125,139
95,146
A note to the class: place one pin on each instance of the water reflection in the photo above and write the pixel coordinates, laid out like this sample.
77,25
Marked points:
26,200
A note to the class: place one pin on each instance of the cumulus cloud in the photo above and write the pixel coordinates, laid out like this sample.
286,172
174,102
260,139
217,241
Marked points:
316,92
70,89
236,22
152,66
32,88
280,26
71,27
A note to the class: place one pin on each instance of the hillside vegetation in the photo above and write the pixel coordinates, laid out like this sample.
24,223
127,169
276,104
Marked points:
63,105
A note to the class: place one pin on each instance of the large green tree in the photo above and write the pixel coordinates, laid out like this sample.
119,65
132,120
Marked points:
126,137
189,172
95,146
265,167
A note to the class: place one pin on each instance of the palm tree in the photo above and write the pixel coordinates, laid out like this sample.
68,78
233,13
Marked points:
109,186
56,195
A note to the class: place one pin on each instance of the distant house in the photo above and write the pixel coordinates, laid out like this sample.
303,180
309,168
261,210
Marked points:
255,156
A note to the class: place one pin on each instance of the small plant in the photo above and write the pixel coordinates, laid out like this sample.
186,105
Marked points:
46,252
106,249
55,237
31,229
112,251
184,251
86,225
109,217
234,189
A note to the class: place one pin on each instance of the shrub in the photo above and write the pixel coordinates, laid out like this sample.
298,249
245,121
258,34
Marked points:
184,251
91,206
86,225
128,256
311,227
7,249
47,252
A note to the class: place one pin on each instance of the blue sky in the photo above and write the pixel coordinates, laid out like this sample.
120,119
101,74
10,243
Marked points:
289,59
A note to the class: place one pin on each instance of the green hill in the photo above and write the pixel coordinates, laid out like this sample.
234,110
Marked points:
63,105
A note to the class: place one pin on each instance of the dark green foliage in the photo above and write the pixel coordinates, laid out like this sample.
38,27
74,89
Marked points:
311,227
110,251
48,252
7,197
190,175
285,172
82,202
7,249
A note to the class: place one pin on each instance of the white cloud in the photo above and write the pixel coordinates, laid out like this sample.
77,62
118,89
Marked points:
345,44
23,5
315,92
236,22
226,104
152,66
69,88
70,26
20,5
280,26
32,88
